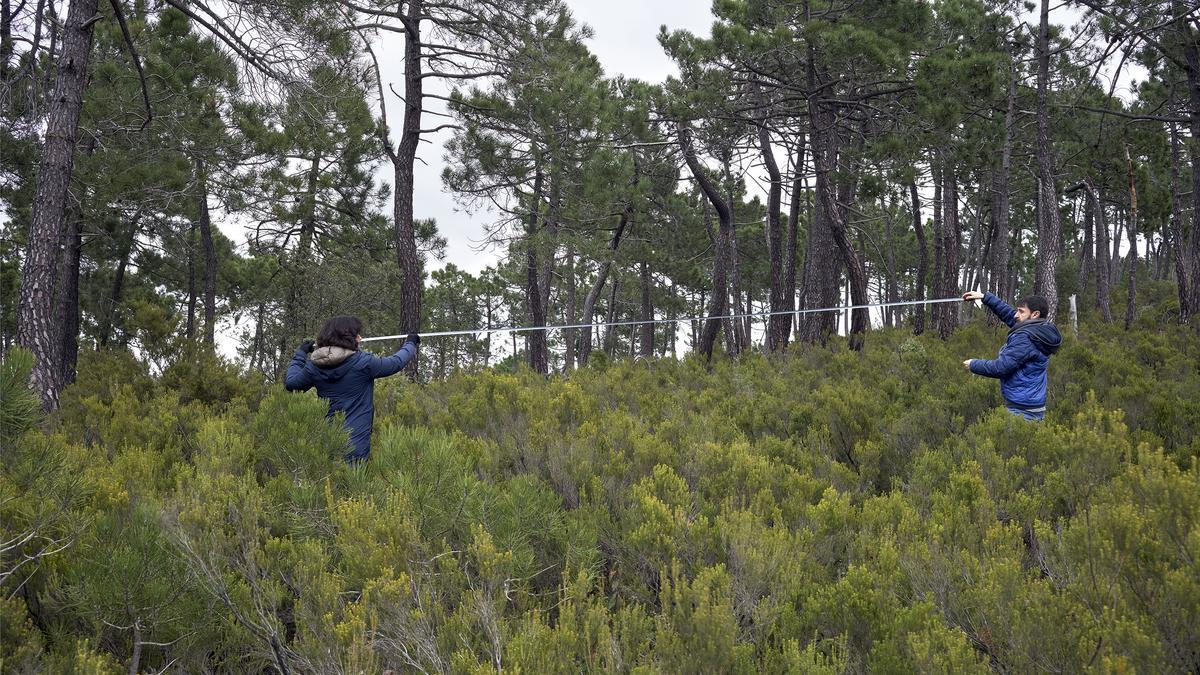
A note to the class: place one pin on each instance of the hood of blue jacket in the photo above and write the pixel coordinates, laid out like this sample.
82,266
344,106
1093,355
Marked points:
1043,334
332,362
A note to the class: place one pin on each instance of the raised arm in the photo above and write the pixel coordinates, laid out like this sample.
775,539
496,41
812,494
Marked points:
1001,309
383,366
297,378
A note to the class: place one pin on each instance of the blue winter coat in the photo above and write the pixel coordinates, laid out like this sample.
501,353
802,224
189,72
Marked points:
346,379
1021,364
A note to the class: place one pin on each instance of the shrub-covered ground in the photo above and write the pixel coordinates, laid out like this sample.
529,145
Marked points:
826,511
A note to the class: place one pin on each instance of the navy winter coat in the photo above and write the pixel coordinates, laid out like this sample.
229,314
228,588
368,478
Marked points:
346,379
1021,365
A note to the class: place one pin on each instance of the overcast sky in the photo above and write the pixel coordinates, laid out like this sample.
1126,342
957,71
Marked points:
625,41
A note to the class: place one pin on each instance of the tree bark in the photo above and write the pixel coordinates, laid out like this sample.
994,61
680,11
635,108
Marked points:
1102,259
403,160
108,316
646,339
1087,260
779,323
922,258
1001,197
572,292
593,296
1049,229
1131,302
937,277
68,299
535,340
1175,231
1191,44
35,312
720,289
793,236
610,332
210,257
190,330
950,248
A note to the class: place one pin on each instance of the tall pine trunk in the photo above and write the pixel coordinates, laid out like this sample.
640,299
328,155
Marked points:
535,340
210,256
1131,301
1001,197
922,258
403,160
35,311
950,249
1103,274
793,236
68,300
1049,229
593,296
646,339
1175,232
720,288
779,323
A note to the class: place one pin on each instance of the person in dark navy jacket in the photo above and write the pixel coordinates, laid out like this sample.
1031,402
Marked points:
345,376
1021,364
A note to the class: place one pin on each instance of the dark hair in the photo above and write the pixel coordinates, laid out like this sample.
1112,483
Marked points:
340,331
1035,303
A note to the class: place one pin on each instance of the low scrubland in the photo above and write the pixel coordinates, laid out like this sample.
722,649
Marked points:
823,511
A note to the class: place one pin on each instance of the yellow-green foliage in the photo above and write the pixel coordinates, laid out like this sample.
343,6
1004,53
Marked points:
823,512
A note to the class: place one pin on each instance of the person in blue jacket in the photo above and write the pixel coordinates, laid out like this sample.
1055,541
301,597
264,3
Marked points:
1021,364
345,377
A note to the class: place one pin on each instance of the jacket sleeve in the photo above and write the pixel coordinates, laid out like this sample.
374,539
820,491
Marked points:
297,378
383,366
1000,308
1010,360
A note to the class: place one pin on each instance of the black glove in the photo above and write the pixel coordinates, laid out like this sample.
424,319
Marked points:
413,338
307,346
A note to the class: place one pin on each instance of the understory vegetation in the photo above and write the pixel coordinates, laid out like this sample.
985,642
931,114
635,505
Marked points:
819,511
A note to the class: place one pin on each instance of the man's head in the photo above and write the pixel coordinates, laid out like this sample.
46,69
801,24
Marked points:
341,331
1032,307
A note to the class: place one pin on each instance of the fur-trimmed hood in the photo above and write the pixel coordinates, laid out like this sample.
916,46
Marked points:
330,356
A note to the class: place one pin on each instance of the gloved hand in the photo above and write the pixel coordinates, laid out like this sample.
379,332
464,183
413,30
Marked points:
413,338
307,346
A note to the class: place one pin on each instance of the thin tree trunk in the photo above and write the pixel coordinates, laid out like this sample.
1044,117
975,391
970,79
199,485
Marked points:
950,248
572,292
1176,233
778,324
1191,50
610,332
1049,229
646,340
190,330
1131,302
922,258
68,301
294,314
1001,198
593,296
1102,260
1087,261
740,335
793,235
36,314
535,340
720,290
210,257
937,282
108,316
403,160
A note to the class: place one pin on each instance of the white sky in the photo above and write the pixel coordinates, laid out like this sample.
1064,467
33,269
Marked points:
625,41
